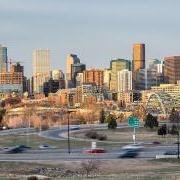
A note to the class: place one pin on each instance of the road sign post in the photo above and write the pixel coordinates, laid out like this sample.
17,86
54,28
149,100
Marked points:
134,136
134,123
93,145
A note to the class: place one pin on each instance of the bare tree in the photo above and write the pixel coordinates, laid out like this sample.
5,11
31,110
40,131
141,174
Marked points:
90,167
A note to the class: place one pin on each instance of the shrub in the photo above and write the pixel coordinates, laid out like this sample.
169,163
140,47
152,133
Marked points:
102,137
174,130
92,134
32,178
90,168
44,127
162,130
112,124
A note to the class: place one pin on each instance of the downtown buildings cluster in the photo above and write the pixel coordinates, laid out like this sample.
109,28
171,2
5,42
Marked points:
124,80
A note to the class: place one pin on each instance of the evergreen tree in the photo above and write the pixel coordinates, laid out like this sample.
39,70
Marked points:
174,116
2,114
102,116
111,120
174,130
151,121
162,130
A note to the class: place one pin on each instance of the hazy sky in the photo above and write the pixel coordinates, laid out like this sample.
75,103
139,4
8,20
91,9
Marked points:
95,30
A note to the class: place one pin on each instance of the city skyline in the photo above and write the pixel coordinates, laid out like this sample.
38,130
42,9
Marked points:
97,34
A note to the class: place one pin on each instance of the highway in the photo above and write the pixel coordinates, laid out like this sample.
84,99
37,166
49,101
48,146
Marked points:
77,154
149,151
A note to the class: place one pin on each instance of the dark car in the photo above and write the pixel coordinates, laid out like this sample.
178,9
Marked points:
24,147
14,150
129,154
156,142
171,153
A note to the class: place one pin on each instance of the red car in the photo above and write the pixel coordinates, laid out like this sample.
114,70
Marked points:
95,150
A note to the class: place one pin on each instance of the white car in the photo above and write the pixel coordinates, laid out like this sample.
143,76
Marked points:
46,146
133,147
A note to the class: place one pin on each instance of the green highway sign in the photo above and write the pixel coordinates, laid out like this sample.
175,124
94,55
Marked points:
133,122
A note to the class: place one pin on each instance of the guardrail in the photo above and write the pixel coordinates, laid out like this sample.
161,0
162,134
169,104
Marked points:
17,131
166,156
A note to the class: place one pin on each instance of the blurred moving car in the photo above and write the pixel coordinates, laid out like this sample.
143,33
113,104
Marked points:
16,149
133,147
46,146
74,127
22,146
129,154
95,150
177,142
156,142
171,153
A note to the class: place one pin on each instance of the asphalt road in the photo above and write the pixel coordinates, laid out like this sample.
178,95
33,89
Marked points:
149,152
78,154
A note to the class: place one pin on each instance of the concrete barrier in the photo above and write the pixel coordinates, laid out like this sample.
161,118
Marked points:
161,156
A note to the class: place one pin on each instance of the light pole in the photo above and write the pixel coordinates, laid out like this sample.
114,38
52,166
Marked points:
178,137
40,126
178,143
69,148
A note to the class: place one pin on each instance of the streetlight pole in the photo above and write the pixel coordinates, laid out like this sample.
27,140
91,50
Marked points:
178,143
69,148
40,124
178,135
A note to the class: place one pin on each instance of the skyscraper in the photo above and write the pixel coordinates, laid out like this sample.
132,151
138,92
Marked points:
77,68
116,66
3,58
138,57
71,59
41,68
12,81
124,80
107,78
93,76
172,69
138,62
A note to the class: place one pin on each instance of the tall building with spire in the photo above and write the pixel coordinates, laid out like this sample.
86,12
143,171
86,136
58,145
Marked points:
41,69
71,59
73,66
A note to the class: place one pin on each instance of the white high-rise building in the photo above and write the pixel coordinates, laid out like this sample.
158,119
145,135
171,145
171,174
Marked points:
41,68
124,80
107,78
79,79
